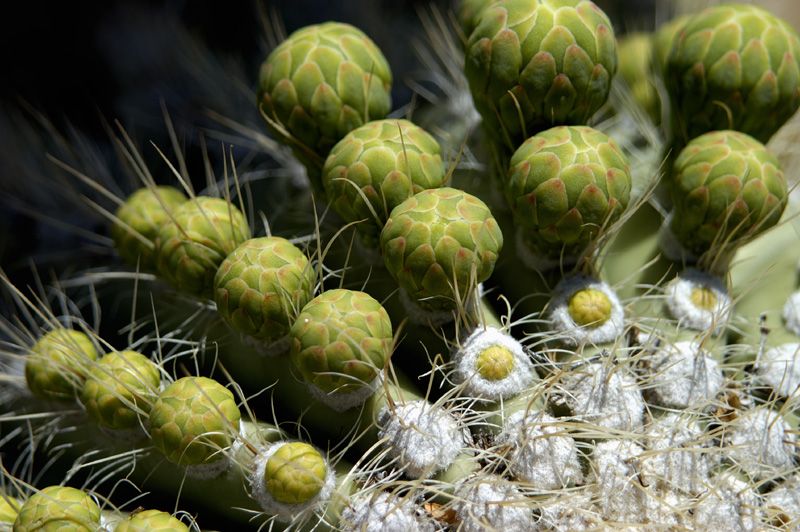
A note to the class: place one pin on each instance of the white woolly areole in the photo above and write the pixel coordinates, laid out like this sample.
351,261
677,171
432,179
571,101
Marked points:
783,503
679,301
542,452
535,260
265,499
670,247
761,443
474,384
779,368
728,504
678,457
567,511
572,333
384,512
791,313
603,395
208,470
423,439
272,349
492,503
421,316
614,475
682,375
342,401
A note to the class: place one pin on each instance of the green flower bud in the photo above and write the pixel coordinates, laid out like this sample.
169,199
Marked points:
321,82
295,473
439,244
204,231
564,185
56,509
726,189
58,362
734,66
532,64
262,285
142,215
120,388
663,39
151,520
341,341
469,13
378,166
192,420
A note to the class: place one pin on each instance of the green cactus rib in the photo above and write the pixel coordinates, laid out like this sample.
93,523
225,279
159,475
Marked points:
733,66
319,84
533,64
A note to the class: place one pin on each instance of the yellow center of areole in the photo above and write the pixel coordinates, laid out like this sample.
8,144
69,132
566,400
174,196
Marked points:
495,363
703,298
589,307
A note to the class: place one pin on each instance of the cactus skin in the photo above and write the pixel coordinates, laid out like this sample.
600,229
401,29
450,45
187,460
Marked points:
439,244
58,362
56,509
115,383
726,188
295,473
389,161
204,231
341,340
564,184
192,420
151,520
320,83
262,285
144,211
736,67
533,64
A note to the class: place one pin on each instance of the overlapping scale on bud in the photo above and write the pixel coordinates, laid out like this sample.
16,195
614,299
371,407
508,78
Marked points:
120,389
262,285
58,362
320,83
290,477
135,233
663,40
635,68
564,186
378,166
58,508
726,189
438,245
469,13
533,64
734,66
192,422
202,233
340,343
151,520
